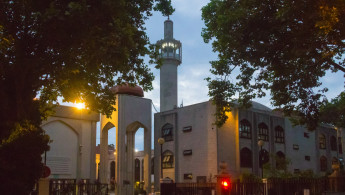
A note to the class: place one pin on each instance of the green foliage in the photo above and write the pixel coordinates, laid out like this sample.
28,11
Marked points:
307,174
249,177
279,170
19,156
76,50
165,7
333,112
283,47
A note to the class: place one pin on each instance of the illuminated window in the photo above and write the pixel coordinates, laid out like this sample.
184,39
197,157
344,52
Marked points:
322,141
333,143
168,160
167,132
246,158
263,131
245,129
323,163
279,134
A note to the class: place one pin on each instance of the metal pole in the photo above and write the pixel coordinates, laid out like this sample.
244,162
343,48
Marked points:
261,161
161,162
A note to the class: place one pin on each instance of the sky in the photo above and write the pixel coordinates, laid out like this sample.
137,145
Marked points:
196,55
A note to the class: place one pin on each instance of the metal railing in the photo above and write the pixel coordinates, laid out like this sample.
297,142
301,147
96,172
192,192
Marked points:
62,187
272,186
248,187
70,187
187,188
92,189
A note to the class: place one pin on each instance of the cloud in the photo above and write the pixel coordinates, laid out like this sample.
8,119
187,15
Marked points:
192,87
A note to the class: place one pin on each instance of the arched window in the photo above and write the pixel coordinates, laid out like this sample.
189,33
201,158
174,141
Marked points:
322,141
167,132
263,131
323,163
112,169
136,170
333,143
168,160
152,166
264,157
280,161
246,158
279,134
245,129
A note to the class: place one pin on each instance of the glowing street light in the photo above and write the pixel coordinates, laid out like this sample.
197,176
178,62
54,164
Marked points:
80,105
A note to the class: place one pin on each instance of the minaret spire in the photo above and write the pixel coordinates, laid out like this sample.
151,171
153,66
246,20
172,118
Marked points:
171,54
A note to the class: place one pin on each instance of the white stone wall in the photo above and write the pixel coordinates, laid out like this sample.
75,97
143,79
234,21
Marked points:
211,146
72,150
202,140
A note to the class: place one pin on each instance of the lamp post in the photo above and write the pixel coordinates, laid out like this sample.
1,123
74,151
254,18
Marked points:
261,143
161,141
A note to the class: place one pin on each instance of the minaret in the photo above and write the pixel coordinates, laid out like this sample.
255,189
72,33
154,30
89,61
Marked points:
170,51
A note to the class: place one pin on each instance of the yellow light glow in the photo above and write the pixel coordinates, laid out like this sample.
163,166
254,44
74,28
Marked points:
80,105
136,150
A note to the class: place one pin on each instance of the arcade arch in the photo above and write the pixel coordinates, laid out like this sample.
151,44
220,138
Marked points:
131,114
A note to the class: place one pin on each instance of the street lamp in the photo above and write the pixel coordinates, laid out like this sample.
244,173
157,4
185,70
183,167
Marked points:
261,143
161,141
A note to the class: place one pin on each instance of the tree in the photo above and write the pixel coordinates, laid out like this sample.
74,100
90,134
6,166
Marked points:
333,112
284,47
76,50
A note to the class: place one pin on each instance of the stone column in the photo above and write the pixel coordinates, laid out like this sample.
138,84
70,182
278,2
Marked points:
103,156
130,162
121,167
147,160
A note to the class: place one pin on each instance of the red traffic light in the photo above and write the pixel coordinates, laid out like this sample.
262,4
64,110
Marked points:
225,184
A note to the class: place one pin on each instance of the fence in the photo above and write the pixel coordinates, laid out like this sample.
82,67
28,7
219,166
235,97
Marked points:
273,186
62,187
248,187
187,188
70,187
289,186
92,189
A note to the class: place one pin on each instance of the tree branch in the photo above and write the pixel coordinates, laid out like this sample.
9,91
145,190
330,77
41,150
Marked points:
337,66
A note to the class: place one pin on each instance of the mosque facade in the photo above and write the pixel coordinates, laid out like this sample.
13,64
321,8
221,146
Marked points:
194,147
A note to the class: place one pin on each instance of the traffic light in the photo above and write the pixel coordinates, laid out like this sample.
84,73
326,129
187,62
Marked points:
225,186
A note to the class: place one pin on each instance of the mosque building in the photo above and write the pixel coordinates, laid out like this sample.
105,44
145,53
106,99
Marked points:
194,147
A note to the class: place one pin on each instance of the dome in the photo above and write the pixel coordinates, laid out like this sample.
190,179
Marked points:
259,106
127,89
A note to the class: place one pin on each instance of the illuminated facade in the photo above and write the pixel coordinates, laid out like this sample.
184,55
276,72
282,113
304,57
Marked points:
194,147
